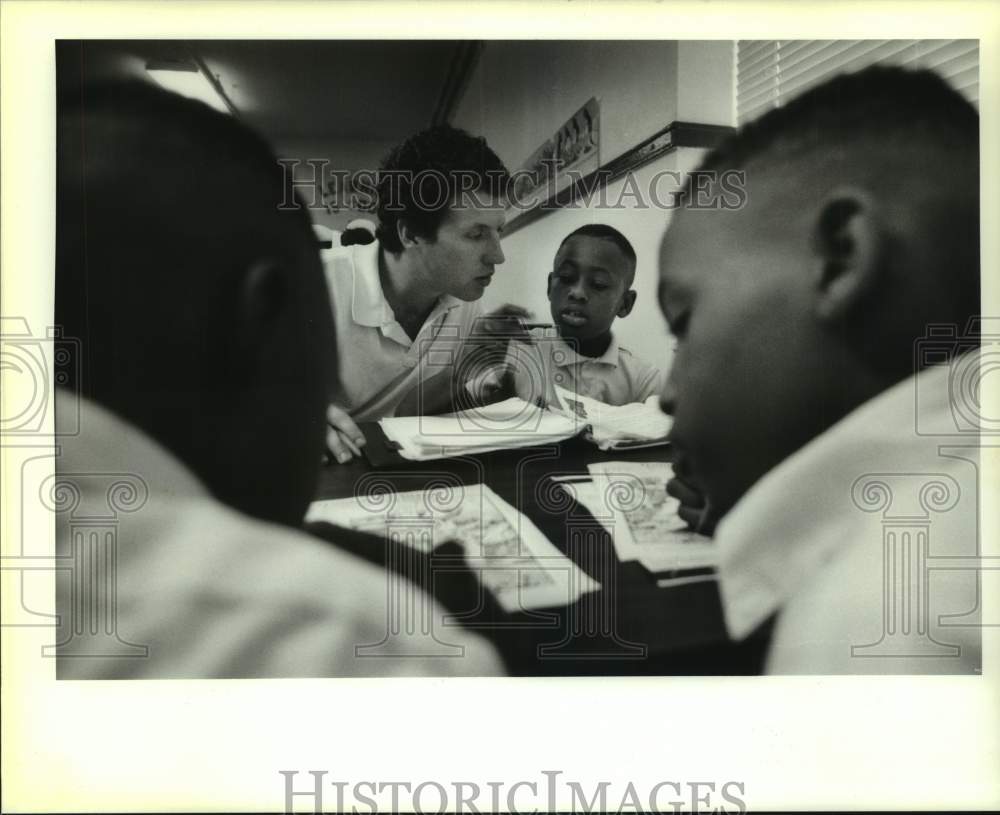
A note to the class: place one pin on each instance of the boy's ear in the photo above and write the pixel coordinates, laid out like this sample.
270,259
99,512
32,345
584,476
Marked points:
548,283
848,242
261,299
628,301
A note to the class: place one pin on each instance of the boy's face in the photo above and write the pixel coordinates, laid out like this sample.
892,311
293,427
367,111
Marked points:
745,381
588,287
461,258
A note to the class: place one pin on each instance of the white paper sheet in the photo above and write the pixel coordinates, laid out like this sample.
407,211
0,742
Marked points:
630,501
617,424
505,425
514,560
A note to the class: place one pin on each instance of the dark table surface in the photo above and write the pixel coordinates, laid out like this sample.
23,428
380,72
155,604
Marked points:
628,626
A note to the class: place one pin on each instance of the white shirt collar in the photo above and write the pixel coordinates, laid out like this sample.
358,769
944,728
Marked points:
369,306
89,451
801,513
571,357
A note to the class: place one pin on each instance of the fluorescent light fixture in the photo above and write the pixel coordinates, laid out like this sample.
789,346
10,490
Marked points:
186,78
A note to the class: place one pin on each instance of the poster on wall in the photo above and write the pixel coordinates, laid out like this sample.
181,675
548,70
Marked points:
570,154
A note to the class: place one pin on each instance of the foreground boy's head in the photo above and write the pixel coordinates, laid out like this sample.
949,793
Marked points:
591,281
860,228
201,307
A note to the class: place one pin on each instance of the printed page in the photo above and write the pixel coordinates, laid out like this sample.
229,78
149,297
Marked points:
514,560
631,501
505,425
642,421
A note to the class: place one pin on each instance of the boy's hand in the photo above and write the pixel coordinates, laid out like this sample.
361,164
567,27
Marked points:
510,310
694,509
492,385
504,323
487,356
343,438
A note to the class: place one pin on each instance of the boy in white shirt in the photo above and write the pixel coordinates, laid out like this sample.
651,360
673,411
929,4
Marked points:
804,412
589,287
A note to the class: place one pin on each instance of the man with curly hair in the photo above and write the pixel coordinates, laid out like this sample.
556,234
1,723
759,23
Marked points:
404,305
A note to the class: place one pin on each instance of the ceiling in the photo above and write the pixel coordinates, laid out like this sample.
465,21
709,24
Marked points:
301,90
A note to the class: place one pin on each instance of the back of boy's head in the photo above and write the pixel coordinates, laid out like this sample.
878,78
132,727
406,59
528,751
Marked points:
608,233
912,142
422,178
200,306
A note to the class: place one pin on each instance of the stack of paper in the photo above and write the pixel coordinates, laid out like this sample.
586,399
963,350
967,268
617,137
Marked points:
631,502
514,561
504,425
640,424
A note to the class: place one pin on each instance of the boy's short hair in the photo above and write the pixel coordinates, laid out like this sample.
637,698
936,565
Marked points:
424,176
606,232
205,153
867,124
881,102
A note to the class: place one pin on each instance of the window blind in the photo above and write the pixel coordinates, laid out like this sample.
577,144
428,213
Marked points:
770,72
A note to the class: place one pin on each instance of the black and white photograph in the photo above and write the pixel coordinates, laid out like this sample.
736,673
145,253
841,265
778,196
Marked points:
417,382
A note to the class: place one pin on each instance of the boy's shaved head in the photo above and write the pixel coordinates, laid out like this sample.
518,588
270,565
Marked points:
608,233
200,305
860,229
591,283
887,107
903,137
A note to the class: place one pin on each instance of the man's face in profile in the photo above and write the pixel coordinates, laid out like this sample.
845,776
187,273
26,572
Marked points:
737,305
463,255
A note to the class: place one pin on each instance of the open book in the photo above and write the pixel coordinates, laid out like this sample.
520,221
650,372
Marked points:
629,498
515,423
617,427
511,557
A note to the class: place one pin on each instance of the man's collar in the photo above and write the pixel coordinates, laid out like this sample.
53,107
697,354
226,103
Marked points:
369,306
108,443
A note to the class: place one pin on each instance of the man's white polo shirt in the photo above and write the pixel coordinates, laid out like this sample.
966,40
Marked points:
379,366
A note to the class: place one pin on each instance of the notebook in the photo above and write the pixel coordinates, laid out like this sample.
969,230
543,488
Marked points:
515,423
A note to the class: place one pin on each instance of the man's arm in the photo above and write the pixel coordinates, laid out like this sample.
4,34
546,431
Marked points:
343,438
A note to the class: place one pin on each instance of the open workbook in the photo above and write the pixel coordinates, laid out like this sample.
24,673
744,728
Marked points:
515,423
512,558
629,498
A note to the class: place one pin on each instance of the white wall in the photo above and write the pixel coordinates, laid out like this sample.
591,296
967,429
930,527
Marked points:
343,155
522,92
